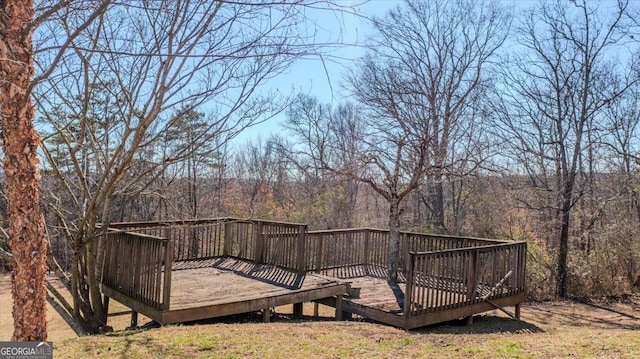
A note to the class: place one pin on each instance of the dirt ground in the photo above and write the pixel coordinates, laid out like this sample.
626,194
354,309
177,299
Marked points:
57,328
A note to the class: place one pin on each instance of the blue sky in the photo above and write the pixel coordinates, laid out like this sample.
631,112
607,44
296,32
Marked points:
324,80
315,77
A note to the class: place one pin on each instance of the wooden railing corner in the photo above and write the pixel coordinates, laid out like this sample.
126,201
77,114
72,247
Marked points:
168,264
301,259
227,250
259,244
408,289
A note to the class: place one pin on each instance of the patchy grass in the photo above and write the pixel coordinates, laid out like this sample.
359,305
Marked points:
548,330
561,329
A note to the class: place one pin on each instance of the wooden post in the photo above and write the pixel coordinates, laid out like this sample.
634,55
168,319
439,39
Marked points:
523,267
318,258
297,310
106,308
316,309
367,255
168,264
468,320
301,255
408,286
167,233
259,245
470,280
339,307
518,309
405,252
266,315
134,319
227,249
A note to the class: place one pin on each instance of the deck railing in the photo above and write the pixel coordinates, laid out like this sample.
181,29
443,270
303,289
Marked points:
195,239
283,244
439,271
452,278
330,249
265,242
345,247
139,266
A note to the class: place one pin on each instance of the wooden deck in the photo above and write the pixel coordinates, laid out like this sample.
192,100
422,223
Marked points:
224,286
384,302
229,266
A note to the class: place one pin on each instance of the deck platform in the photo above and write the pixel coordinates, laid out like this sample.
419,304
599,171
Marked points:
230,266
224,286
381,301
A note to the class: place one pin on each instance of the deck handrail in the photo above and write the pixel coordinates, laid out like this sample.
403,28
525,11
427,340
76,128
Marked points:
465,268
446,279
174,222
372,244
139,266
261,241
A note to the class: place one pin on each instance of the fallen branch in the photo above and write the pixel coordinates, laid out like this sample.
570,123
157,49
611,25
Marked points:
495,288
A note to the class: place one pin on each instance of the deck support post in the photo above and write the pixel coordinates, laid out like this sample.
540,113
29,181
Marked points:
297,310
134,319
105,302
266,315
339,307
518,309
468,320
316,309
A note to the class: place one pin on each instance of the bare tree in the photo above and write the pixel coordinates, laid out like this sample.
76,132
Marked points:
622,116
132,76
556,90
423,70
20,144
427,67
255,168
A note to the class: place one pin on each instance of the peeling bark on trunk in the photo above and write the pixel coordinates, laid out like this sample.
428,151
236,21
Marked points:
20,142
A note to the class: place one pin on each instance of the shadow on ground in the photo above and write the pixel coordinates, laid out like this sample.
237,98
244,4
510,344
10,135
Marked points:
483,325
594,315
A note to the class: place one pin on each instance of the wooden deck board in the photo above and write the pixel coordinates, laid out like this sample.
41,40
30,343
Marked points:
378,294
382,302
223,286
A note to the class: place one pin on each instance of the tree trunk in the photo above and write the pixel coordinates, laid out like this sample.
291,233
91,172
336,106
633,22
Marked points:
438,204
83,313
20,141
563,253
394,238
93,278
